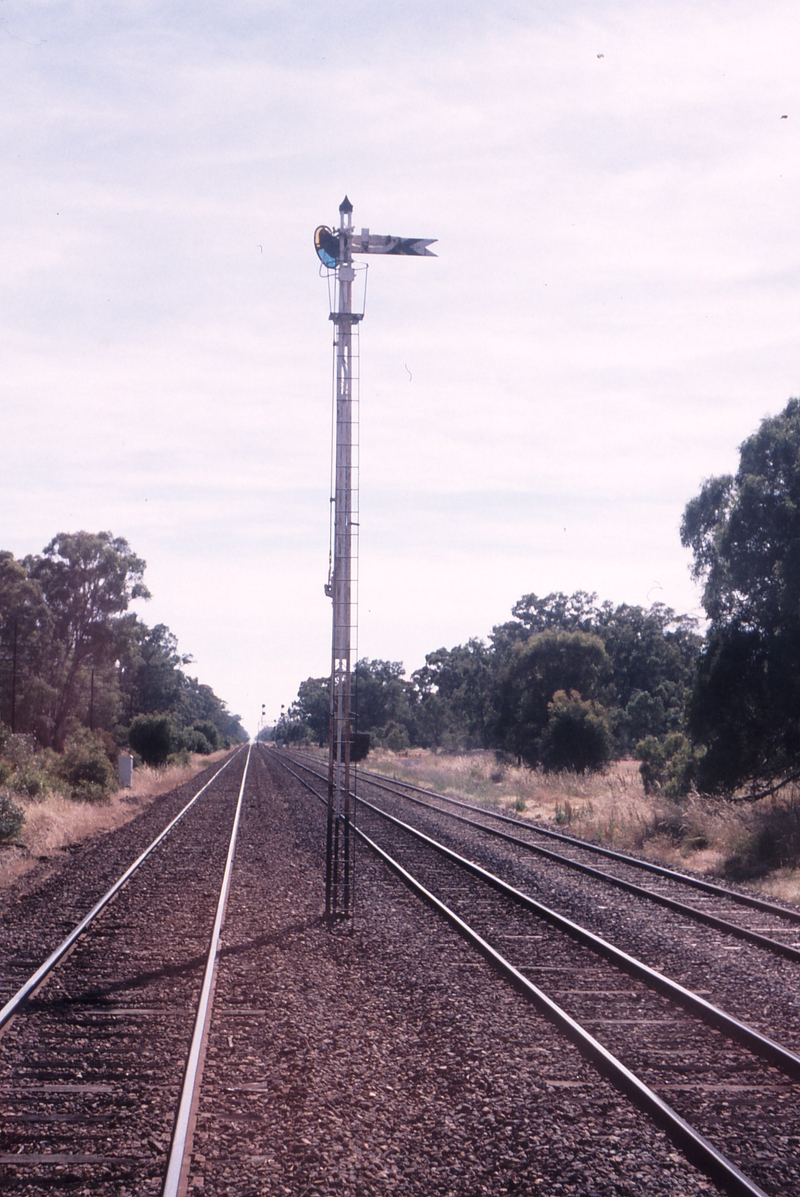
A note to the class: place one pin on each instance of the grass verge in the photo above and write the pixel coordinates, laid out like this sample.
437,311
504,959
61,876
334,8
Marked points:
757,844
54,822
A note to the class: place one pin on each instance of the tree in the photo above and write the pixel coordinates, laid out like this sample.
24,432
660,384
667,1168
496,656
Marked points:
381,695
454,696
153,737
312,707
534,671
26,630
576,737
744,531
87,581
652,654
72,655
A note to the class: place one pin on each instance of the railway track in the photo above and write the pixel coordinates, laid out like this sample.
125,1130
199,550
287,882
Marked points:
94,1047
744,915
386,1061
727,1092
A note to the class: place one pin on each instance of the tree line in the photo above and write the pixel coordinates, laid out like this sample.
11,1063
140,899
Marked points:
74,660
565,683
570,683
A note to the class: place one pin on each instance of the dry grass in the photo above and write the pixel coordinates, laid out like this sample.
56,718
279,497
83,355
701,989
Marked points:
611,808
55,822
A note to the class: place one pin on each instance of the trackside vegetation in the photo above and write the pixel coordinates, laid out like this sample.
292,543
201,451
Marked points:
567,683
82,677
572,684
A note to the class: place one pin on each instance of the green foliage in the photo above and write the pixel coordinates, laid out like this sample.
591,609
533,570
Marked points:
211,732
26,769
576,736
744,531
153,737
203,737
381,696
453,694
195,741
312,707
85,767
536,669
395,737
651,659
73,655
12,817
636,664
669,765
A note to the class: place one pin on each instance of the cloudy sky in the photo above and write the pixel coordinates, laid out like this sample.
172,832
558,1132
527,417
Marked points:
613,309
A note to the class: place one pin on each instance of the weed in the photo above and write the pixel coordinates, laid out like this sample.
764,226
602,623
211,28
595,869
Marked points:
563,814
11,817
773,842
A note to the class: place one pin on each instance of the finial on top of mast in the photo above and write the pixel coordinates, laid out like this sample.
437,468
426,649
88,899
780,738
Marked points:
345,206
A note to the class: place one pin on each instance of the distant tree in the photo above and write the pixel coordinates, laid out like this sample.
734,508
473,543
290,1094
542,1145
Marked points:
653,657
150,674
87,581
210,731
312,707
26,633
744,531
454,696
576,735
381,695
534,671
153,737
555,612
652,654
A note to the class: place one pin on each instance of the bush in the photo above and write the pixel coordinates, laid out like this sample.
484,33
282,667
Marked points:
86,768
669,765
395,737
193,740
773,843
210,732
24,768
576,736
153,737
11,817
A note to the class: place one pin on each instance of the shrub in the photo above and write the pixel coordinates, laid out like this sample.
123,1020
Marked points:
193,740
25,768
11,817
773,843
576,736
669,765
152,736
86,768
210,731
396,737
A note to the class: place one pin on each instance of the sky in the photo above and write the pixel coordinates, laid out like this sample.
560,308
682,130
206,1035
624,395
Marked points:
613,308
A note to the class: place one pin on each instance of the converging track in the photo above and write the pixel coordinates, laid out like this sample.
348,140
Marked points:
204,1033
656,1026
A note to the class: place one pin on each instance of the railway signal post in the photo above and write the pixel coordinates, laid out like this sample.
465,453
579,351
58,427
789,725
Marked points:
335,249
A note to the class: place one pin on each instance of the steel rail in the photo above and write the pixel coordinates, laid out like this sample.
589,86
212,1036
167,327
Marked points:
760,1044
14,1004
699,1150
180,1152
635,861
702,916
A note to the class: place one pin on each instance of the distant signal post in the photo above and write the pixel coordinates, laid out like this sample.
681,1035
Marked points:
335,249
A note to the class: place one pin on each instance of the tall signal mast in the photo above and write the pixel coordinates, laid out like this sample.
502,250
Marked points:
335,249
